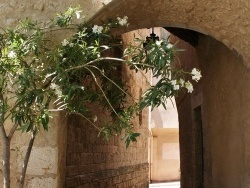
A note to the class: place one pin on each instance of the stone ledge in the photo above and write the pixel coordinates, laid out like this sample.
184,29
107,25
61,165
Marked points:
110,177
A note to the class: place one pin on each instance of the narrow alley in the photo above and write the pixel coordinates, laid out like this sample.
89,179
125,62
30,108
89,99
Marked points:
165,185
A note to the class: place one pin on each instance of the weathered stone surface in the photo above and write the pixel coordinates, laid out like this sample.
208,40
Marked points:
225,20
225,83
42,183
225,89
43,161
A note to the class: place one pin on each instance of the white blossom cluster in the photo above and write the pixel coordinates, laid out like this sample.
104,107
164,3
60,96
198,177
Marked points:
95,118
196,75
78,15
57,89
65,42
12,54
189,87
123,21
97,29
181,83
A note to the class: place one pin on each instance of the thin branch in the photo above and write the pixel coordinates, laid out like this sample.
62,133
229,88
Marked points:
94,61
55,110
102,91
143,64
143,74
111,80
2,129
79,114
48,30
12,131
26,159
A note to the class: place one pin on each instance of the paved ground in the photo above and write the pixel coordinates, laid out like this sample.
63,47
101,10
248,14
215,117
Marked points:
165,185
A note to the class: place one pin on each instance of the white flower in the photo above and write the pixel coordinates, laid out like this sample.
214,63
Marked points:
189,87
19,71
78,15
11,54
196,74
182,82
57,89
123,21
54,86
58,92
71,44
158,43
176,87
95,119
173,82
170,45
65,42
97,29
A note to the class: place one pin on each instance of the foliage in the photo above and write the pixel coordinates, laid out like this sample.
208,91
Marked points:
78,72
159,57
75,75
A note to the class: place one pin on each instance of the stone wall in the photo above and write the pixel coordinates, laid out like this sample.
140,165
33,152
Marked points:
224,20
42,169
214,147
92,162
12,11
47,162
226,95
50,163
185,106
165,161
225,87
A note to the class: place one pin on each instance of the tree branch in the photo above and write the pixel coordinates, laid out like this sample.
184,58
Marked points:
6,156
93,75
79,114
96,60
12,131
26,159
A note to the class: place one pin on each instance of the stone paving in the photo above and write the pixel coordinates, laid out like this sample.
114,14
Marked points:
165,185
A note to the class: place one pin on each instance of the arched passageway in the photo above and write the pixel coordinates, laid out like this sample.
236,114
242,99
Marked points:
223,97
225,20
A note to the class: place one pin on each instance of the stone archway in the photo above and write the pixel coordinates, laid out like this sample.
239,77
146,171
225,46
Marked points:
225,94
226,20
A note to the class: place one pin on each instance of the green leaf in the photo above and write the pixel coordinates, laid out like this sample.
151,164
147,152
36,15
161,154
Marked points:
45,121
131,137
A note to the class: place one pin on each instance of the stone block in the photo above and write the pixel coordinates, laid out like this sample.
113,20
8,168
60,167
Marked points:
42,183
42,161
86,158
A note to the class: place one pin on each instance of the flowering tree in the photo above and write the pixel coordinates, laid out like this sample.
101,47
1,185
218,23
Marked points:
71,75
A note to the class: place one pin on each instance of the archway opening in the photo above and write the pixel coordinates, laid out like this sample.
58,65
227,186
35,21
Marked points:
164,155
207,147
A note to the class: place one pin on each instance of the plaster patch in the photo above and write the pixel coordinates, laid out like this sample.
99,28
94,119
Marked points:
42,161
42,183
170,151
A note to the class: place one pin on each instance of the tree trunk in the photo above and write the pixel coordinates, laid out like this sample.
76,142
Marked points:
26,159
6,157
